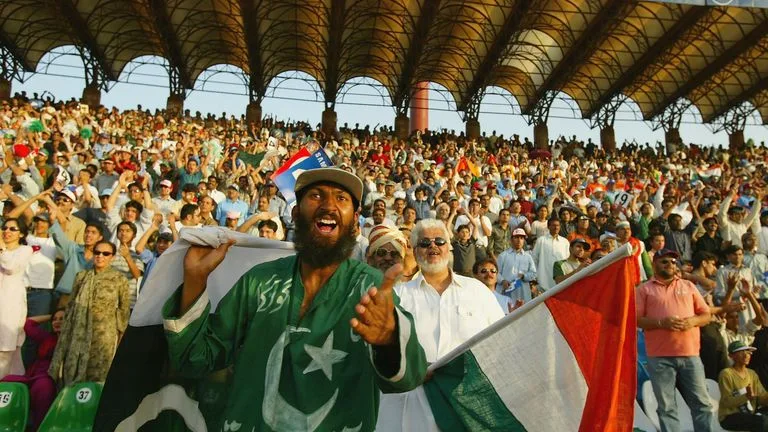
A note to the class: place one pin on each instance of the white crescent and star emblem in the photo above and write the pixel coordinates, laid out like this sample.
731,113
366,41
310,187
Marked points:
323,358
278,413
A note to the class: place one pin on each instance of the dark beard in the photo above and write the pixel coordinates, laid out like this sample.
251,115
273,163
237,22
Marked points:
320,254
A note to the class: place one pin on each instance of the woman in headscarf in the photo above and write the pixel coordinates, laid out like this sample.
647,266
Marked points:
95,320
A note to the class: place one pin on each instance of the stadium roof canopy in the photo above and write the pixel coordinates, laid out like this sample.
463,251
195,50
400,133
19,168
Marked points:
653,52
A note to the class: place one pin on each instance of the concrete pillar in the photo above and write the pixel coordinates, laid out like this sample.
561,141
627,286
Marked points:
672,139
329,121
91,96
420,107
541,136
473,129
608,138
5,89
253,114
175,105
736,140
402,123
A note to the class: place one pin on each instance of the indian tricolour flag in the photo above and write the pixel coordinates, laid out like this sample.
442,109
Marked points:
710,171
566,361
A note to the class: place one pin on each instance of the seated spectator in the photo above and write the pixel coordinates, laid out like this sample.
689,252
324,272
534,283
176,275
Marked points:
741,393
94,322
42,389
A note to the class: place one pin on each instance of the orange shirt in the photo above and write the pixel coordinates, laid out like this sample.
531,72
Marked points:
594,243
656,301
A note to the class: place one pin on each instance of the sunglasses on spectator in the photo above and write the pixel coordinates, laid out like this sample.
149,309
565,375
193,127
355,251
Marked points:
102,253
491,271
10,228
381,253
667,261
427,242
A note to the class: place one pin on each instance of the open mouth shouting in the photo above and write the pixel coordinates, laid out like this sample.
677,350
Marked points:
326,225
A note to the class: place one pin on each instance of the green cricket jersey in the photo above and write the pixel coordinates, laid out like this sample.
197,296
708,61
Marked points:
290,374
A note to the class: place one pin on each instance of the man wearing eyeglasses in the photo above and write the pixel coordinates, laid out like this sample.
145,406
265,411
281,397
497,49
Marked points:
448,309
73,226
669,309
386,247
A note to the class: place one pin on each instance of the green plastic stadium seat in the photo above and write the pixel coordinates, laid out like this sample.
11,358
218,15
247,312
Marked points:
74,409
14,407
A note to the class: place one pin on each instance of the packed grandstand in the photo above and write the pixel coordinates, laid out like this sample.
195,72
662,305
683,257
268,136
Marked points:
139,179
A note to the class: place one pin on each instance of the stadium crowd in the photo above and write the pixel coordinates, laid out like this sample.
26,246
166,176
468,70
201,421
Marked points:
92,197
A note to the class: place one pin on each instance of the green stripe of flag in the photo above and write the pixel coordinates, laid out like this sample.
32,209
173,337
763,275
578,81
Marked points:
463,399
253,160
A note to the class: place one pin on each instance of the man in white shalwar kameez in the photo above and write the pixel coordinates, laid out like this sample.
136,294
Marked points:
447,308
547,251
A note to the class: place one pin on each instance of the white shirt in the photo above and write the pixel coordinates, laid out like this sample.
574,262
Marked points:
39,273
762,240
368,225
495,204
442,322
217,195
478,221
511,263
546,252
361,246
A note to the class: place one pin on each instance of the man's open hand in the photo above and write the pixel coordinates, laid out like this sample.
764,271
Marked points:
375,320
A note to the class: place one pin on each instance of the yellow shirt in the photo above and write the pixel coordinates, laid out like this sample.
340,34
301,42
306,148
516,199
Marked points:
732,399
75,229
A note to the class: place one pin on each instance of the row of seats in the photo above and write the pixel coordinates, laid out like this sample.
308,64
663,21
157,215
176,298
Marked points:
73,410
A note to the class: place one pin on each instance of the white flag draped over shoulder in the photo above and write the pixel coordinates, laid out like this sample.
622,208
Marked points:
140,391
168,274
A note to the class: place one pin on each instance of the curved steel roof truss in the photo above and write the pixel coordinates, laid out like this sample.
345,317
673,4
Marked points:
598,52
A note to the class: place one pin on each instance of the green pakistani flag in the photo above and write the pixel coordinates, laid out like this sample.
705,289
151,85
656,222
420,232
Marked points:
253,160
292,374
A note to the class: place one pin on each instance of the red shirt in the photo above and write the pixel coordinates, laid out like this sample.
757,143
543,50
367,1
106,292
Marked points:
680,298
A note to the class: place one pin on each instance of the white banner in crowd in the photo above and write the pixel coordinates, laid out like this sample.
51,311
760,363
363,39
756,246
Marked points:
168,273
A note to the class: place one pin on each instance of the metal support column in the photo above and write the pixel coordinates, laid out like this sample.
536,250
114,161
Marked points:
604,119
669,120
96,79
175,103
538,118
